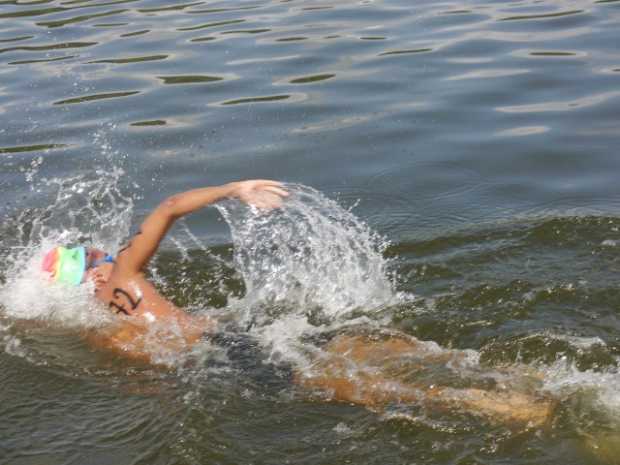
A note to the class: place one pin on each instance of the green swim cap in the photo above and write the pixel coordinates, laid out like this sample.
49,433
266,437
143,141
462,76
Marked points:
66,265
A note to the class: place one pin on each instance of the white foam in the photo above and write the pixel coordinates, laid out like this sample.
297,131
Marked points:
12,344
83,209
578,342
29,295
564,379
310,254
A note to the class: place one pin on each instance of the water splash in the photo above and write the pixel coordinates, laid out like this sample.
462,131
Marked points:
309,267
564,379
310,255
83,209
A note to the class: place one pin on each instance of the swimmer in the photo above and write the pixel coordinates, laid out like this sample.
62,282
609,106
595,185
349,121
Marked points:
350,368
120,283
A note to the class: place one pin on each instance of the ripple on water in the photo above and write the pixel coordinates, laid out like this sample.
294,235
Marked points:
203,39
79,19
386,202
128,60
31,13
388,211
447,180
522,37
136,33
315,8
263,59
405,51
289,98
163,9
43,48
94,97
15,39
335,124
109,25
311,79
550,54
246,31
488,74
190,79
523,131
41,60
292,39
559,106
155,122
223,10
32,148
608,70
554,54
210,25
558,14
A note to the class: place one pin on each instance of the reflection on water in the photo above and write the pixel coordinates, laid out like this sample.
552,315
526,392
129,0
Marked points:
478,138
89,98
120,61
188,79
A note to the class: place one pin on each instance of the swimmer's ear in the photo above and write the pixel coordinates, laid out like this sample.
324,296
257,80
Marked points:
98,277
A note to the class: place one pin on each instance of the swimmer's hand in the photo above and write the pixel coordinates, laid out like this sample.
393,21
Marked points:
259,193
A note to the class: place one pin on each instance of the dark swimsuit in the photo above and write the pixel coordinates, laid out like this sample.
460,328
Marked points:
246,357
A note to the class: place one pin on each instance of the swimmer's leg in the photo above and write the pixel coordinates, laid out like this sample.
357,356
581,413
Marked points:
374,391
349,370
377,349
498,406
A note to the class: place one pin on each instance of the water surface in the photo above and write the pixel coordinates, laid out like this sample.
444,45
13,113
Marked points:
478,138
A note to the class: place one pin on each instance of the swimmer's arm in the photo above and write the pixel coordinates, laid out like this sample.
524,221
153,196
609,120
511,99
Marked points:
134,340
263,194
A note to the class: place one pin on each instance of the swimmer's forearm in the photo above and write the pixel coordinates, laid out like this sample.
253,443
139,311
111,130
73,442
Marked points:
186,202
261,193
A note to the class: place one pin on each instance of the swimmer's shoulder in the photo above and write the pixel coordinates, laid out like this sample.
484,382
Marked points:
123,292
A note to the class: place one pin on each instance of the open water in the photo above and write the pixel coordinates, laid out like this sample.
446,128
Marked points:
463,163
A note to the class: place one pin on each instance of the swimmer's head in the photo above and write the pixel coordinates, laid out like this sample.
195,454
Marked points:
69,265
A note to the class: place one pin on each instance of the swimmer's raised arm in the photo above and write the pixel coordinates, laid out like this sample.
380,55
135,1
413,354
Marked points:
263,194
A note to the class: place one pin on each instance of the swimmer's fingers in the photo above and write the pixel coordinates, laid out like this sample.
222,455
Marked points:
265,201
262,194
244,188
271,200
276,190
266,183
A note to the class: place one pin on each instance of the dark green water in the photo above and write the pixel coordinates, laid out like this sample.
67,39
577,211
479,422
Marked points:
480,138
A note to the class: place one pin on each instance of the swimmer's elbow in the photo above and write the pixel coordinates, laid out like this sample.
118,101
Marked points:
170,208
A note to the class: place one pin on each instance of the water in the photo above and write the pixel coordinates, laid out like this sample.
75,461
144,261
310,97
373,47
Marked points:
462,158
